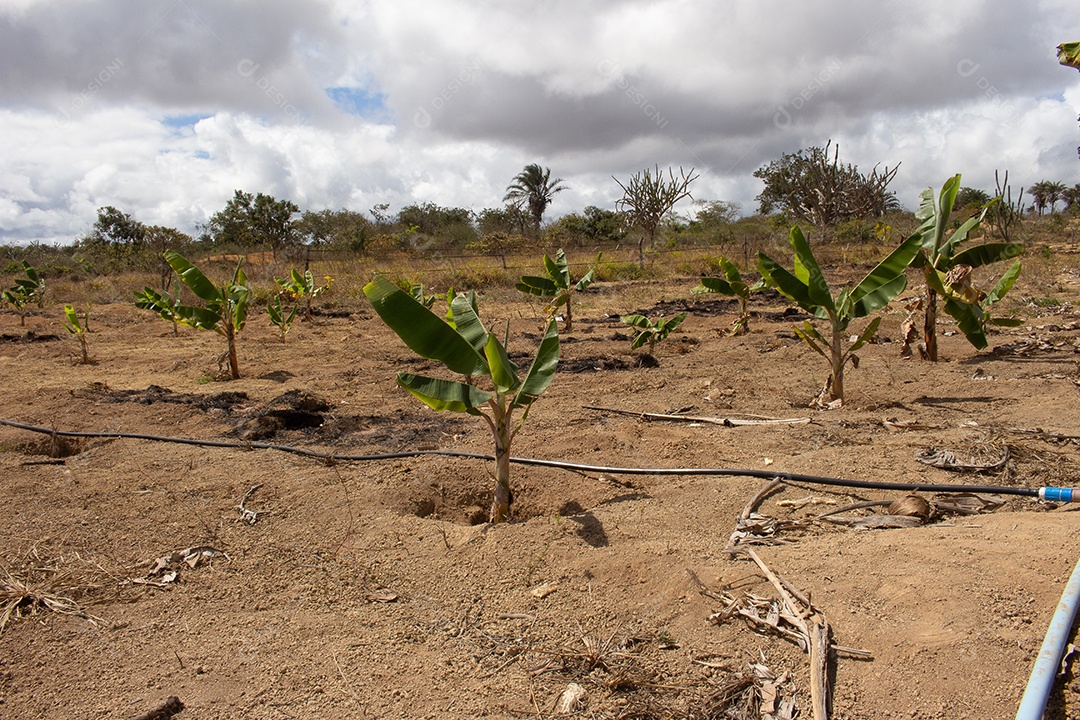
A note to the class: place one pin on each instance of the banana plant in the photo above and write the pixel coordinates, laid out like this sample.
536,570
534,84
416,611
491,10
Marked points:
808,288
947,270
466,347
279,318
557,285
162,303
224,312
1069,54
651,331
732,285
25,290
79,329
303,287
417,292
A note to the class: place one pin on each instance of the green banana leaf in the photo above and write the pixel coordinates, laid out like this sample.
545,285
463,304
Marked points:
808,271
542,370
666,327
731,272
809,335
587,279
277,312
239,297
637,321
193,277
719,286
445,394
467,323
503,371
960,235
150,299
1004,284
971,320
72,324
987,253
423,331
535,285
867,334
558,269
788,285
886,280
935,212
197,317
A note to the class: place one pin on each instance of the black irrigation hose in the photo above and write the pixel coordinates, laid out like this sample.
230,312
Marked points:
1058,494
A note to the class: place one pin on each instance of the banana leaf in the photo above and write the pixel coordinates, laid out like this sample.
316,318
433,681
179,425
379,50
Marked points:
788,285
445,394
191,276
809,334
467,323
637,321
586,279
503,371
987,253
886,280
558,270
1004,284
1069,54
971,320
866,336
543,368
423,331
808,271
535,285
72,324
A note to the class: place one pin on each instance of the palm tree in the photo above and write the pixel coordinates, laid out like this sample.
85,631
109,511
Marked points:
1054,192
1071,198
1040,195
534,190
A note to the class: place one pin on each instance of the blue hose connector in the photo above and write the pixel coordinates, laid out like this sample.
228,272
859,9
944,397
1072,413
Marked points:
1052,494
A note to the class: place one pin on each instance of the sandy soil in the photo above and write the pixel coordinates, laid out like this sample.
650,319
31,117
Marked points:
365,590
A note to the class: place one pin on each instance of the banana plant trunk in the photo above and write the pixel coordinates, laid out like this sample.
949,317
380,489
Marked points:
500,503
836,389
930,325
569,312
230,338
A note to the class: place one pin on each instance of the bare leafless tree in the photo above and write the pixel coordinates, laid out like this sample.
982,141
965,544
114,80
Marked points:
648,197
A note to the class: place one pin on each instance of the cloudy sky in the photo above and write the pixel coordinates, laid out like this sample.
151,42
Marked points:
163,108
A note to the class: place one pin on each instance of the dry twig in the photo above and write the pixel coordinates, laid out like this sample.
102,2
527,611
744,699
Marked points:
726,422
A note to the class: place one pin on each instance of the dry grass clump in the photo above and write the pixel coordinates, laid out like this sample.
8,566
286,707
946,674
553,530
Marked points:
56,585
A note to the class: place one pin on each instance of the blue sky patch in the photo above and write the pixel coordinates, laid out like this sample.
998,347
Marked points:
358,101
182,121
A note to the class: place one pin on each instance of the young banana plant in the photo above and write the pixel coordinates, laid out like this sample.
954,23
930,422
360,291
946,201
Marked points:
281,319
467,348
732,285
947,270
25,290
808,288
557,285
303,287
417,292
651,331
224,312
79,329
